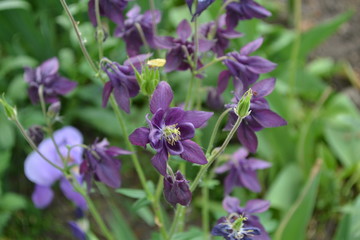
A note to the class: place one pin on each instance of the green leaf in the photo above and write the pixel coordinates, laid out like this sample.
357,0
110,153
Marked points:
12,202
132,193
7,136
14,4
192,234
140,203
294,223
4,161
349,226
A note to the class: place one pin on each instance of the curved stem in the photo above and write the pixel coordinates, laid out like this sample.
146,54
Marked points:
142,36
219,59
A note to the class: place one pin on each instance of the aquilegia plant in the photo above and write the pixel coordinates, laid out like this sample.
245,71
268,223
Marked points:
170,132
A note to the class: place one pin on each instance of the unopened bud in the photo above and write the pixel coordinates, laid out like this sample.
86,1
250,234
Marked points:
150,76
177,190
243,107
54,109
36,134
10,111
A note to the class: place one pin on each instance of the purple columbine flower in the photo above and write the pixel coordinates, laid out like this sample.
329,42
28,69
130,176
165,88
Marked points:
214,100
180,48
242,171
244,10
232,206
101,165
130,33
202,5
111,9
45,175
123,81
176,190
46,75
219,33
244,69
170,130
260,117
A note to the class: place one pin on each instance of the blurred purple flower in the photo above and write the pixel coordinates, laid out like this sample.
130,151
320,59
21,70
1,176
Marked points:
130,33
122,81
47,76
202,5
36,134
244,69
78,230
244,10
220,34
45,175
176,190
214,100
170,130
101,165
111,9
242,171
260,117
232,205
180,48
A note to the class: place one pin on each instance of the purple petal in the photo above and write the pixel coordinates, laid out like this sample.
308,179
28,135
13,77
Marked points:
257,206
258,164
158,119
201,6
140,136
240,154
164,42
205,44
174,58
223,81
134,12
71,194
42,196
91,12
175,149
108,172
249,180
264,87
184,30
268,118
193,153
122,97
63,85
231,33
197,118
223,168
161,97
231,204
78,233
135,60
187,130
251,46
247,137
50,66
174,116
259,65
116,151
106,93
159,161
229,182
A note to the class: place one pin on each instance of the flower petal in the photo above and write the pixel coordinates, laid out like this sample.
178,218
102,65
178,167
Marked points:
257,206
255,164
268,118
231,204
161,97
251,46
193,153
205,45
223,81
247,137
184,30
174,116
140,137
240,154
174,59
63,85
175,149
116,151
72,195
230,182
187,130
197,118
249,180
263,87
106,93
42,196
259,65
122,97
50,66
159,161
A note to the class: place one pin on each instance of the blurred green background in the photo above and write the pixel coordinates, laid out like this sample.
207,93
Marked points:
314,181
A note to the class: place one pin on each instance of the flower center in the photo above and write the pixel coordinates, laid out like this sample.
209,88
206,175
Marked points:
171,133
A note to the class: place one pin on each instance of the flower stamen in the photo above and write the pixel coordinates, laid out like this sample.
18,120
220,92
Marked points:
171,133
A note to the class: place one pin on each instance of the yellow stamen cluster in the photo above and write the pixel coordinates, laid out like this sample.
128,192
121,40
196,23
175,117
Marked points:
158,62
171,134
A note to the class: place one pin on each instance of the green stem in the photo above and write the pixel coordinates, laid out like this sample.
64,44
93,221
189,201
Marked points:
78,35
219,59
99,30
142,36
205,211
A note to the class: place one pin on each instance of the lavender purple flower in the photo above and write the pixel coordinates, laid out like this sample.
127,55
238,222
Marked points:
170,130
111,9
123,81
176,189
46,75
134,23
242,171
101,165
181,49
45,175
244,10
260,117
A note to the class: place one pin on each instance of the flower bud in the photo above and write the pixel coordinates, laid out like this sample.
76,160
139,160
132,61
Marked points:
36,134
54,109
150,76
243,107
10,111
176,190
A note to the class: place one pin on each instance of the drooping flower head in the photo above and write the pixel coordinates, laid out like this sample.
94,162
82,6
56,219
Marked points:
177,190
122,81
47,75
180,49
202,5
242,171
260,116
170,130
244,69
251,228
136,22
244,10
218,32
111,9
101,165
45,175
